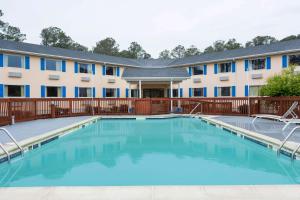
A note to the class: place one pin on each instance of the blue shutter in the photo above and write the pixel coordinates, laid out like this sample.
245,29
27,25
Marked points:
27,91
246,62
190,71
1,90
1,60
63,91
268,63
284,61
43,91
94,92
94,68
233,91
181,92
190,92
27,62
118,92
76,91
215,91
233,67
76,67
104,92
103,70
63,66
42,63
118,71
205,91
127,92
246,91
215,68
205,69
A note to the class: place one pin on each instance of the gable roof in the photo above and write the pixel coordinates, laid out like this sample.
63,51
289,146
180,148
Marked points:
275,48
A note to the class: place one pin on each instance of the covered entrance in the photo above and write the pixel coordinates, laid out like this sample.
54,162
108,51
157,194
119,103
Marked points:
153,93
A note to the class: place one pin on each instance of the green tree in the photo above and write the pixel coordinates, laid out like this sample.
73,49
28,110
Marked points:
221,45
285,84
178,52
232,44
135,51
107,46
192,51
8,32
55,37
291,37
261,40
165,54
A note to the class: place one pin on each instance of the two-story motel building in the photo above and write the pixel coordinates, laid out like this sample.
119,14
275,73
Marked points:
35,71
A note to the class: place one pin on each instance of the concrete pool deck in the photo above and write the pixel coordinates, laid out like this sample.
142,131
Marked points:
263,192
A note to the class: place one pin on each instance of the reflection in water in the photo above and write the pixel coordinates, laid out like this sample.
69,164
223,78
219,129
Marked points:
166,151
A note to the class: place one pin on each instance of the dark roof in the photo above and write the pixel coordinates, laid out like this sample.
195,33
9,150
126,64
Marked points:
292,45
172,72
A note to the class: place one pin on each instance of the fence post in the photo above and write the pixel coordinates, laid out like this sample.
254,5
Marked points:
9,108
52,110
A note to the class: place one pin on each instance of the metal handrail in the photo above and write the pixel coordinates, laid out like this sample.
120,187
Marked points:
196,107
287,137
12,138
295,151
5,151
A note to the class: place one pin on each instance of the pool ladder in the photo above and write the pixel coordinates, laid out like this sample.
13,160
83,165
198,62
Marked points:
196,107
3,130
286,139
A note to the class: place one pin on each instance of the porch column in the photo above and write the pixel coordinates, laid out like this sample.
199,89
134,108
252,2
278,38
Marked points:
140,89
178,92
129,90
171,94
129,96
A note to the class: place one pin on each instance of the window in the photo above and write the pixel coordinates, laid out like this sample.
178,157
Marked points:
224,91
53,91
225,67
53,65
111,92
198,70
255,90
294,60
198,92
14,61
110,71
14,91
258,64
85,92
85,68
175,93
134,93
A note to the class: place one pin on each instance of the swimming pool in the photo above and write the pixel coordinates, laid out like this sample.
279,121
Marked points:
176,151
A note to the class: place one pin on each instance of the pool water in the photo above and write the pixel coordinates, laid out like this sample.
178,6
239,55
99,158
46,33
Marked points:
178,151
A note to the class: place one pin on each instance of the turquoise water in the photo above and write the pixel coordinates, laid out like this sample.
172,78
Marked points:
178,151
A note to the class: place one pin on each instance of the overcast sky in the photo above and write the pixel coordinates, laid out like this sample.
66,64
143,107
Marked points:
155,24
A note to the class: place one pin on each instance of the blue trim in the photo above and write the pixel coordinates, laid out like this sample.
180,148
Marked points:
103,92
63,66
246,90
127,92
233,91
1,60
205,91
76,67
118,71
215,68
233,67
42,64
64,91
103,70
181,92
94,92
284,61
205,69
215,91
27,62
27,91
190,92
94,69
76,92
268,63
1,90
118,92
190,71
246,63
43,91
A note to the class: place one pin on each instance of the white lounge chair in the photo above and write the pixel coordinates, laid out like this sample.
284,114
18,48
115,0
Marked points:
283,118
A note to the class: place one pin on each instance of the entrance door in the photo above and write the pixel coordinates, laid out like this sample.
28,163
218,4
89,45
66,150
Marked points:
153,93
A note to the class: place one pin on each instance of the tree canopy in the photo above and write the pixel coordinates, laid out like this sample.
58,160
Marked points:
261,40
55,37
285,84
107,46
8,32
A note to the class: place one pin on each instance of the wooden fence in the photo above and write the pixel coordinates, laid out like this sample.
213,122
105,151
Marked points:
25,109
